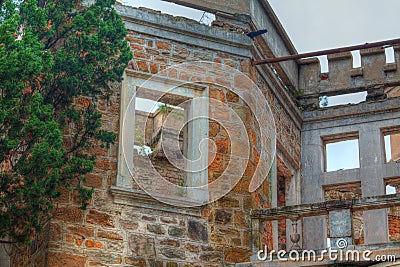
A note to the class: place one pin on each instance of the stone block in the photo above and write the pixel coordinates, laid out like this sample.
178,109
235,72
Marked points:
103,219
157,229
176,231
211,257
233,254
223,217
57,259
340,223
197,231
141,246
342,242
68,214
172,253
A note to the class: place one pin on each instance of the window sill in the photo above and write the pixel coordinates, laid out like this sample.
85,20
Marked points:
141,199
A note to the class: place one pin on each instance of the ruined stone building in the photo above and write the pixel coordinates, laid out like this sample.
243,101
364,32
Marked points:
305,192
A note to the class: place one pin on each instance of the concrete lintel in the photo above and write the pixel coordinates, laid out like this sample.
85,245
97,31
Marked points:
341,177
185,31
351,114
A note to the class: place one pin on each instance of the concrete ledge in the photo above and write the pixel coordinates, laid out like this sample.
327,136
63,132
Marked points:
356,72
184,31
390,67
141,199
361,110
322,208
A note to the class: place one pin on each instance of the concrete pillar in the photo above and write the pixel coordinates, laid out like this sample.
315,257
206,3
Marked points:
373,61
314,232
340,66
314,228
372,184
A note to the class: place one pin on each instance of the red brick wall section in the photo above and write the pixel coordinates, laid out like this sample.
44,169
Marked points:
394,216
394,224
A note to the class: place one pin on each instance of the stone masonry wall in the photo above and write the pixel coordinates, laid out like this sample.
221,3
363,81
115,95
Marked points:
110,234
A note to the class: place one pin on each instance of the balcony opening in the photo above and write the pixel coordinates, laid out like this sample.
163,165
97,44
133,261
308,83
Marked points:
342,192
392,147
341,153
343,99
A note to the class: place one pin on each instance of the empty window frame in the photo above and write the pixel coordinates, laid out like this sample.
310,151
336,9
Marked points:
341,152
391,140
392,186
154,100
153,135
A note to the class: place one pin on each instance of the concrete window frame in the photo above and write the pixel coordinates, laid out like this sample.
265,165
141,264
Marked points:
336,138
389,132
123,189
392,182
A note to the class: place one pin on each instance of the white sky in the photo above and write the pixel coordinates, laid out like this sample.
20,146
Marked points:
319,24
342,155
323,24
170,8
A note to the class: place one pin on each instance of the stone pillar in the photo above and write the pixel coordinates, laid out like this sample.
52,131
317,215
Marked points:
340,66
373,61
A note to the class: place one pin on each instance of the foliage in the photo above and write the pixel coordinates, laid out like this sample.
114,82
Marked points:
164,108
323,101
52,53
298,93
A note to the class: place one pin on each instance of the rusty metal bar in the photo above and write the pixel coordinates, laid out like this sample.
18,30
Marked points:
326,52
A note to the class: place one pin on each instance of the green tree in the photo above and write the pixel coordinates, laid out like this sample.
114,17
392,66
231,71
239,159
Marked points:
51,53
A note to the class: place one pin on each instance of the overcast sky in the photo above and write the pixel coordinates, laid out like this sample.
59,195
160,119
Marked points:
320,24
